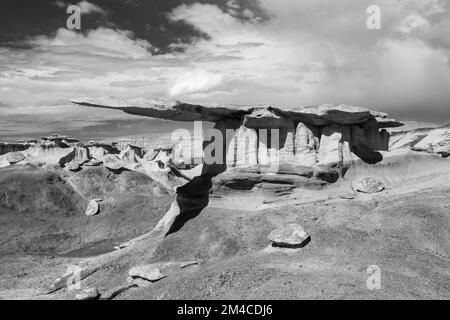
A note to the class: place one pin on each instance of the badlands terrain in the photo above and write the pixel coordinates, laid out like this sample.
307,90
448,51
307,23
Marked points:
131,219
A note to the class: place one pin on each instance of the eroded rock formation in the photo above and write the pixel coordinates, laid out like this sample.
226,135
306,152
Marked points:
321,137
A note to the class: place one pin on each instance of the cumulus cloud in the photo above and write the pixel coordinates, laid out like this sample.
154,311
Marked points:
195,82
299,53
102,41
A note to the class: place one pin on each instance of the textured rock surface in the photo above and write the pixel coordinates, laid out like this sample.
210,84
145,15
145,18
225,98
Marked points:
180,111
147,272
14,157
430,140
369,185
291,235
88,294
93,208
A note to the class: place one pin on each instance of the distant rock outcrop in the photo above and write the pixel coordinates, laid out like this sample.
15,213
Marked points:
430,140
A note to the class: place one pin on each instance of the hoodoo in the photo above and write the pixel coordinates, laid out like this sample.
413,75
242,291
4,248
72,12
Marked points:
325,136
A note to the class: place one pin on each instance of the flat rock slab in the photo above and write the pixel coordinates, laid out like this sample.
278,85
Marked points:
369,185
183,111
157,271
289,236
88,294
93,208
14,157
147,272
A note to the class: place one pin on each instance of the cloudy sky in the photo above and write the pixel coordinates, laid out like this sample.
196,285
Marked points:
284,52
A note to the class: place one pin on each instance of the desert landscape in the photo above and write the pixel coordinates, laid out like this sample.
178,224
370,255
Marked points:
213,157
352,195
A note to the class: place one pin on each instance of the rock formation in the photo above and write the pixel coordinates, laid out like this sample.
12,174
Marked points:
289,236
430,140
326,139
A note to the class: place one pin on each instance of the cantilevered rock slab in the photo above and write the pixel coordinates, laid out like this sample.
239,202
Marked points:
181,111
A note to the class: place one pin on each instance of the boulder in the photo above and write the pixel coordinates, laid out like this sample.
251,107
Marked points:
113,162
289,236
147,272
14,157
369,185
88,294
93,208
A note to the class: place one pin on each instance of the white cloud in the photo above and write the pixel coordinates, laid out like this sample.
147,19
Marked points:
307,52
87,7
195,82
101,41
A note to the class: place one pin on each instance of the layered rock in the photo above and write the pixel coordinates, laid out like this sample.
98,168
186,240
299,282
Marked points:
430,140
280,140
322,135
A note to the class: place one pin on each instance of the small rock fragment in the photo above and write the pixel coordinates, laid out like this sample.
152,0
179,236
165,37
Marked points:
369,185
347,195
148,272
88,294
289,236
93,208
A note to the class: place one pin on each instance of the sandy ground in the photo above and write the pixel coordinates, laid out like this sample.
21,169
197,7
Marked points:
403,231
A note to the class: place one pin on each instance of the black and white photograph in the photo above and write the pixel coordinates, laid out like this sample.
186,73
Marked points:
233,151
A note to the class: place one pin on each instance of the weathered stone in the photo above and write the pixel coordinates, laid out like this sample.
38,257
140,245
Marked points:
93,208
325,114
306,145
14,157
335,145
113,162
369,185
88,294
290,236
147,272
265,118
